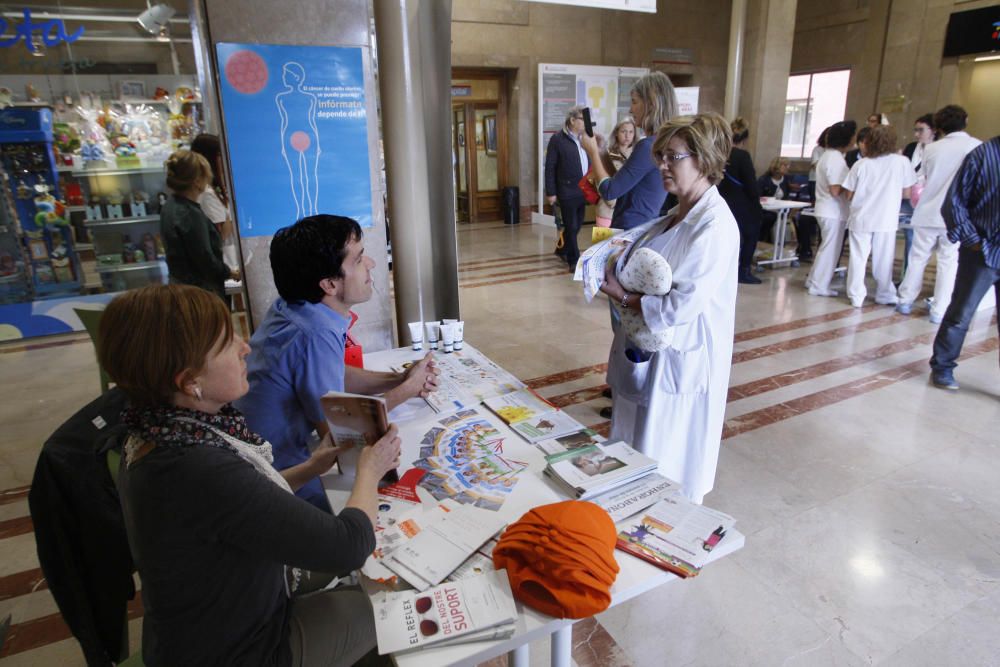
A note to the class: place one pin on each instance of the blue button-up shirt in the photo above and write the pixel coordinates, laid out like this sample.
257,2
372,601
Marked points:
971,210
296,356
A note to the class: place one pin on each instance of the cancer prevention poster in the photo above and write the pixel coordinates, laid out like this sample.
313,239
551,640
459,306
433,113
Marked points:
298,133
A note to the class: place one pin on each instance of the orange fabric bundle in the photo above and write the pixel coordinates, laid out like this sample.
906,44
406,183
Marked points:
560,558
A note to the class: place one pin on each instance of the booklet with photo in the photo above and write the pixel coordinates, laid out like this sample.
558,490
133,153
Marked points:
446,613
591,471
675,534
576,440
433,554
636,496
355,420
532,417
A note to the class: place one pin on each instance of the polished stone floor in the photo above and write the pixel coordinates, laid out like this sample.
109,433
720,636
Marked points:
869,499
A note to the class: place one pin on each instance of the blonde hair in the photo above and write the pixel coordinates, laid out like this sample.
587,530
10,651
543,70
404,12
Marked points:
657,94
740,128
613,145
186,169
706,135
775,166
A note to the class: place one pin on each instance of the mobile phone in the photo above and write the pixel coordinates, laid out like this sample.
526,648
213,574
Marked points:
588,125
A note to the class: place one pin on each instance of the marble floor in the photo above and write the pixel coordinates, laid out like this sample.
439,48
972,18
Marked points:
868,498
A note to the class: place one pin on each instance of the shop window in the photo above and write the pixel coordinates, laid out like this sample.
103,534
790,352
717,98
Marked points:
813,102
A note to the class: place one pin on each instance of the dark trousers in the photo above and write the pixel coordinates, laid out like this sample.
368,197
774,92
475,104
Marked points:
805,230
971,283
572,217
749,231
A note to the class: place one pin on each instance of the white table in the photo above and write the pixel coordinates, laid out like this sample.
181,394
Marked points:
782,207
635,577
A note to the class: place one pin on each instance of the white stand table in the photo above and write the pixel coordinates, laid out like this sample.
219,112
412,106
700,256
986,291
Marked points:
635,577
782,207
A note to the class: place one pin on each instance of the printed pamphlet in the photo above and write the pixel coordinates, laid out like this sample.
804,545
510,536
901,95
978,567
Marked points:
576,440
591,471
636,496
675,534
532,417
354,420
411,619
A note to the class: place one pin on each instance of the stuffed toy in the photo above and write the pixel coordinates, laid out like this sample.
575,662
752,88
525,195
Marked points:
645,272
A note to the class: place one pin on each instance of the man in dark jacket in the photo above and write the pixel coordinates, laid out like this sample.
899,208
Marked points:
565,164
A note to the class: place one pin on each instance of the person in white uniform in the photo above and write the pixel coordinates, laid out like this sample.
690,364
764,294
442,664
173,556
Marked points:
941,161
831,206
670,405
874,187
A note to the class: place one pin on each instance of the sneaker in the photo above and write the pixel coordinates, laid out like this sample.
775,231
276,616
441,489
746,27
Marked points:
857,303
935,319
815,291
904,308
944,380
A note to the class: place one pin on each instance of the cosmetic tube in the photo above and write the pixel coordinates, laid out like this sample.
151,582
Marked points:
448,321
448,337
417,335
433,334
459,334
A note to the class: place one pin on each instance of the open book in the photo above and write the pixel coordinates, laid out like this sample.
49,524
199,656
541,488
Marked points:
675,534
532,417
476,608
591,471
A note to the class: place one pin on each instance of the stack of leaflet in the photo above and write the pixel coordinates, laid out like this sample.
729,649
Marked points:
532,417
479,608
440,548
592,471
676,535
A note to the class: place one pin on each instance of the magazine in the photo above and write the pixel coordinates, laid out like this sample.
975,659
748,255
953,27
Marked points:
427,558
532,417
675,534
636,496
591,471
411,619
354,420
591,266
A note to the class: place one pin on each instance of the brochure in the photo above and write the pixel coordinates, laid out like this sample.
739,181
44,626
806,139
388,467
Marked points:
532,417
354,420
411,619
675,534
632,498
479,562
576,440
591,266
591,471
466,379
433,554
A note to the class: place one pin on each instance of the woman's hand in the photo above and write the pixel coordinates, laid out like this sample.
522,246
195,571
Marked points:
378,459
611,286
590,145
324,455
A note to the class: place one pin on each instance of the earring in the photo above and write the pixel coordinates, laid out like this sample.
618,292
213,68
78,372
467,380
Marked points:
197,392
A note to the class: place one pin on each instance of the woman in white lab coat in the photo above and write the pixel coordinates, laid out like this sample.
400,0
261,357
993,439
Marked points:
671,404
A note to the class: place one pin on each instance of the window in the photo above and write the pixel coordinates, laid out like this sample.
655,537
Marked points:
813,102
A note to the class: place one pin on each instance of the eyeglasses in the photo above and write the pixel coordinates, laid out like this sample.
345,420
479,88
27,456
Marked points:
664,158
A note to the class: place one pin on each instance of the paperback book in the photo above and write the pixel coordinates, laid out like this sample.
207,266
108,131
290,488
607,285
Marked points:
355,420
591,471
474,609
675,534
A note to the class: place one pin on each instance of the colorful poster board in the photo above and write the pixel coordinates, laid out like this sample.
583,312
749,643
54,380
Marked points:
297,132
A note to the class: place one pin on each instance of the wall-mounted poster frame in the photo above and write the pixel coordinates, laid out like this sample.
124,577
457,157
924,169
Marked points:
490,132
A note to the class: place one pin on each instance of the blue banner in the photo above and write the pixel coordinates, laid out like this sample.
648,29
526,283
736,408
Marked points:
297,132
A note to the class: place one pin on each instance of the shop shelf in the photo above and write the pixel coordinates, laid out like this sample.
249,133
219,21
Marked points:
137,266
114,171
119,222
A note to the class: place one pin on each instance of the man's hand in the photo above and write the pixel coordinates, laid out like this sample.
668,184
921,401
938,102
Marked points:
421,379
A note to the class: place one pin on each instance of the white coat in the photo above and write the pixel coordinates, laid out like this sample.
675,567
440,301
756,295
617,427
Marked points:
672,406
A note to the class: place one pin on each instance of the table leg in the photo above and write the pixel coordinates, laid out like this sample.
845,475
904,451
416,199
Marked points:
520,657
562,646
779,235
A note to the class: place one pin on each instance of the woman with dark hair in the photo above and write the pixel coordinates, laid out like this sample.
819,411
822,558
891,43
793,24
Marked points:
215,531
637,186
214,200
831,207
817,153
193,244
739,188
874,187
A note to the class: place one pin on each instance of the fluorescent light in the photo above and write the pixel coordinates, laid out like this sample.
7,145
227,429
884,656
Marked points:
982,59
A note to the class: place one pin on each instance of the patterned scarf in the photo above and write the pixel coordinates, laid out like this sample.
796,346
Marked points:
170,426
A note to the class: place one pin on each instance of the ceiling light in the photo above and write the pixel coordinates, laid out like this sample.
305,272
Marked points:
154,20
982,59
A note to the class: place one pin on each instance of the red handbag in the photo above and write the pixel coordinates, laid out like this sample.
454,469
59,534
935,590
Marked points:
589,191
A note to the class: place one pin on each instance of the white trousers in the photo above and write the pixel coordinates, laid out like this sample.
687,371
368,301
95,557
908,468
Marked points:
926,240
829,252
882,248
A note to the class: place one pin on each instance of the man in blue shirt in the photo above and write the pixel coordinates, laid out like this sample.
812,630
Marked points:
297,353
971,212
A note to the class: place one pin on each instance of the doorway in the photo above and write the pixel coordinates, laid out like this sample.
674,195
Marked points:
479,142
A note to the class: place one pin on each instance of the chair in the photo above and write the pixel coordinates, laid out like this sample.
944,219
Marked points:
91,319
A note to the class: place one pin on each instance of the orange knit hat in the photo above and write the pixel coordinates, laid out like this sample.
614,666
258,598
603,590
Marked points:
560,558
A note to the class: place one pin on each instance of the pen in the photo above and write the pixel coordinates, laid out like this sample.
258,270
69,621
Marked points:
714,538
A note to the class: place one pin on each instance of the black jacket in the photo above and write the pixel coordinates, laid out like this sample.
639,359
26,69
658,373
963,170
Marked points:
562,168
80,532
739,188
767,188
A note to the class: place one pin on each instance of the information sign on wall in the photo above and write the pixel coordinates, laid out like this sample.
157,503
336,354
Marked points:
296,128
